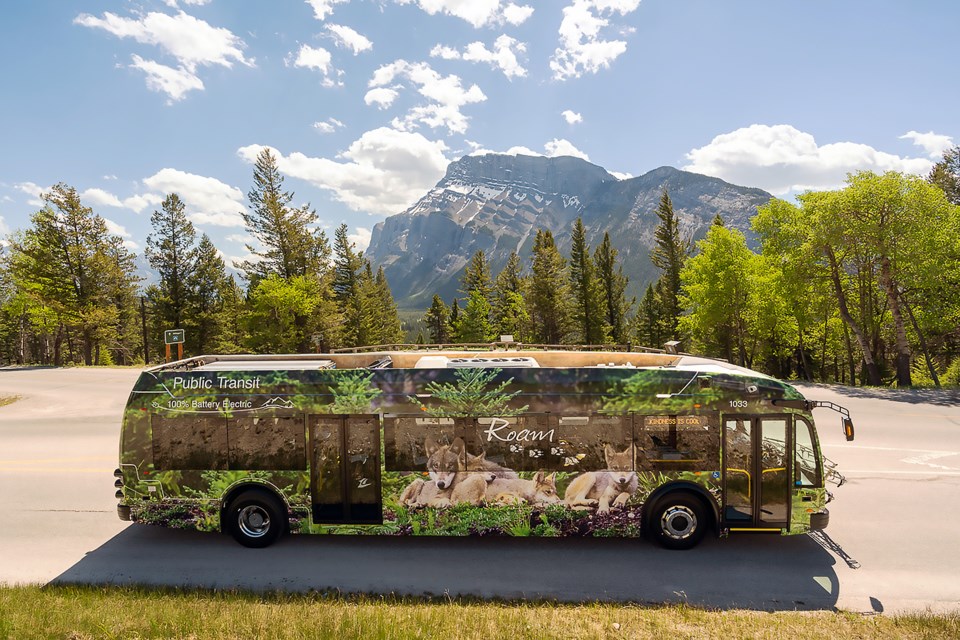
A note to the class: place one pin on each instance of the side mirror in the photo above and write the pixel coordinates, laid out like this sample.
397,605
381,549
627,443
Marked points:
848,428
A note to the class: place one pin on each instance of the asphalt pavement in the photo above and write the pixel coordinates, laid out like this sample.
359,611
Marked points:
889,548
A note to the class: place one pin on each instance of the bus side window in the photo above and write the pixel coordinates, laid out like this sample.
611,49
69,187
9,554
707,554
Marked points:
806,466
678,443
405,439
267,443
189,442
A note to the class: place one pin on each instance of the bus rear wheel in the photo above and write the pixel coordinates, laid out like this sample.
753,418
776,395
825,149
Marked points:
255,519
679,521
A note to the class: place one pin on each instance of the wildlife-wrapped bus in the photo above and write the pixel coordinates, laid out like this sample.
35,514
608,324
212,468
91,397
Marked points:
464,442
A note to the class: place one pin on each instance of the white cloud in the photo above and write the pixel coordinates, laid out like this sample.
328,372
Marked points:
445,93
163,79
782,159
207,200
190,40
348,38
328,126
34,190
316,58
503,56
138,203
383,97
572,117
561,147
382,172
552,149
241,238
478,13
445,52
360,238
5,230
934,144
323,8
119,230
197,3
620,176
582,47
101,197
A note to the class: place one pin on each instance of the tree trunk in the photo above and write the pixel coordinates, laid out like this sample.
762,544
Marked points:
870,365
903,345
923,343
87,347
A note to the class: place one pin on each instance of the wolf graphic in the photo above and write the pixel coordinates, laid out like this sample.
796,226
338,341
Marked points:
540,491
449,483
601,489
491,469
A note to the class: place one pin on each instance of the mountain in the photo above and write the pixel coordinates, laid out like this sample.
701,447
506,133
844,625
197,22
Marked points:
497,202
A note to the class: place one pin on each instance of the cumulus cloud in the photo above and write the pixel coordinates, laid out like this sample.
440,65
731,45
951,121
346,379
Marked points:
349,39
572,117
323,8
478,13
34,190
101,197
552,149
583,48
620,175
383,97
192,42
328,126
934,144
382,172
360,238
781,159
197,3
119,230
163,79
503,56
207,200
316,58
446,94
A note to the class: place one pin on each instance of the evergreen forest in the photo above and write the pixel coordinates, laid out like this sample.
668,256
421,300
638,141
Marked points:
859,285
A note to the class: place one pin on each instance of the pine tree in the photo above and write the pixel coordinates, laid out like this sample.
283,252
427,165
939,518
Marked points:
474,323
291,245
208,286
437,319
549,292
390,329
172,252
588,316
347,289
509,314
669,255
476,277
613,289
455,321
647,330
946,174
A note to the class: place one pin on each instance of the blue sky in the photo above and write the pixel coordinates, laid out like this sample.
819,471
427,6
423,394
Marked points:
366,101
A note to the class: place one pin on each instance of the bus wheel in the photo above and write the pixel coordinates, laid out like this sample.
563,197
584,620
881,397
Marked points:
679,521
255,519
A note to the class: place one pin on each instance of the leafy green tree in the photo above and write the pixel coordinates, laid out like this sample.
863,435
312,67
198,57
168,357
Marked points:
275,305
588,305
613,289
69,263
549,292
946,174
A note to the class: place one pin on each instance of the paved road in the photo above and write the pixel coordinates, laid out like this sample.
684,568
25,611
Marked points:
890,545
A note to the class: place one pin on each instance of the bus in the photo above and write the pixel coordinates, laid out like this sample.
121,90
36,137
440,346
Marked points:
460,441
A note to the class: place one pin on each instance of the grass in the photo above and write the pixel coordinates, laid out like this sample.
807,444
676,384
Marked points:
5,400
119,612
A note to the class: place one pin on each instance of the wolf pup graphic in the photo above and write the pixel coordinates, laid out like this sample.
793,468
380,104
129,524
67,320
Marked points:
449,483
601,489
542,490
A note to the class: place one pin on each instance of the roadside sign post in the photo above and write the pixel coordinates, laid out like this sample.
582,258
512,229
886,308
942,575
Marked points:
174,336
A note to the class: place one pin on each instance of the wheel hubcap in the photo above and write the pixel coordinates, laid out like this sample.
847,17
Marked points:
254,521
678,522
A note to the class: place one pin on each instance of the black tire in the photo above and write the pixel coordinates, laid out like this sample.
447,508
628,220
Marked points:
256,518
678,521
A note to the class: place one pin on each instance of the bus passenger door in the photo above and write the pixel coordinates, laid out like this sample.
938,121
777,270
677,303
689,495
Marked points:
345,469
756,472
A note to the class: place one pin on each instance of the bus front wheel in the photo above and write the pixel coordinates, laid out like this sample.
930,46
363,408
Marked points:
678,521
255,519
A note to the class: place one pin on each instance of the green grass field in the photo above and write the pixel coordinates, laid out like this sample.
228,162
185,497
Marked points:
111,612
